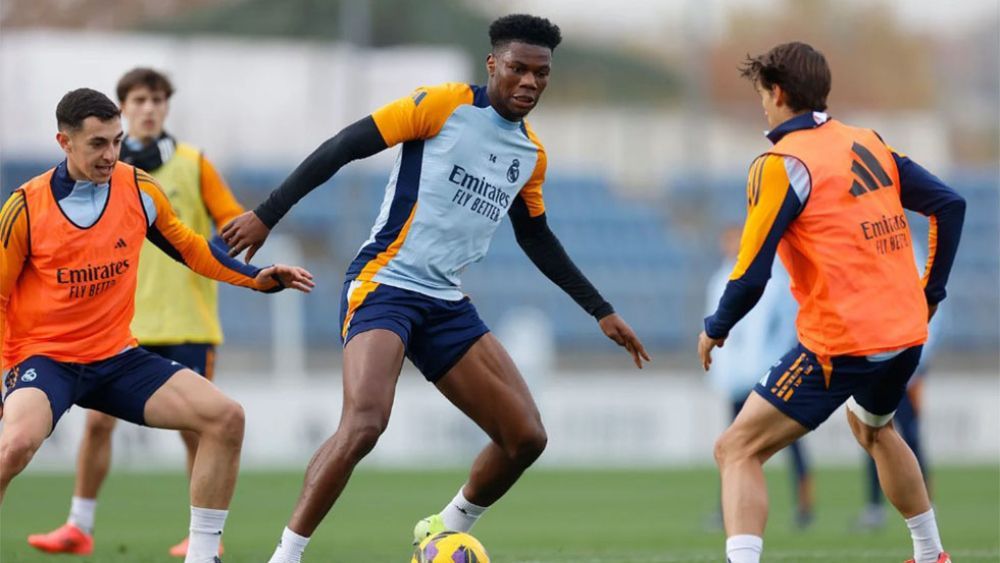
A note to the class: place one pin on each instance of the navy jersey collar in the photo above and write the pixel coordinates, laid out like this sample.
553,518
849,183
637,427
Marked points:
63,184
808,120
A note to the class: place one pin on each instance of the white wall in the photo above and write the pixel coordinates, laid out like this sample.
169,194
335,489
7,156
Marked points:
599,419
259,101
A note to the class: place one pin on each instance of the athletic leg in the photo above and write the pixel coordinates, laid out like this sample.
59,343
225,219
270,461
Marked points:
27,422
372,362
199,358
35,395
898,471
189,402
870,414
93,460
758,432
510,418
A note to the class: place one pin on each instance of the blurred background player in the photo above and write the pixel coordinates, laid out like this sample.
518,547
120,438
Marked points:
834,195
764,334
176,314
68,271
468,159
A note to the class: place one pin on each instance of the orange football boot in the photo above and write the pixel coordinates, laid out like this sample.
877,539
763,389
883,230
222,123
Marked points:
65,539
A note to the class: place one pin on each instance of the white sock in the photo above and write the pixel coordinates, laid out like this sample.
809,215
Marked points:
206,531
460,515
290,548
81,513
926,538
744,549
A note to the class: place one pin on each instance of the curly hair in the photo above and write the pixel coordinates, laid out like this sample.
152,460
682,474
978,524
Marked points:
526,29
800,70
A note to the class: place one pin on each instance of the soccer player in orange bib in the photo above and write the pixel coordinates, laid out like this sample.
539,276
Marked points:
830,199
70,242
176,313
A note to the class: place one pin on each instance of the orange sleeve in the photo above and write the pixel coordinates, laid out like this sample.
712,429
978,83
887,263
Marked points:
422,114
531,193
768,189
14,245
184,245
218,198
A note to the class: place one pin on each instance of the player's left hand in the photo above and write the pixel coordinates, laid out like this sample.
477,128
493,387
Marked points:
617,329
705,346
246,232
289,276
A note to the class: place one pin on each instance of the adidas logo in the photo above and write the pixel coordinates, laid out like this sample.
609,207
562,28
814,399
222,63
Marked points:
121,243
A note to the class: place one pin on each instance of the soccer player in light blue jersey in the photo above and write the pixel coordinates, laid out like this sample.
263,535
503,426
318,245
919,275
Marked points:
468,159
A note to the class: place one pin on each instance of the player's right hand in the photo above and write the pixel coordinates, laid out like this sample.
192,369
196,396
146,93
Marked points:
287,276
246,232
705,345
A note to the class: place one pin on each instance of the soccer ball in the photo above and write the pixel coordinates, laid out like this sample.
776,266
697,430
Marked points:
450,547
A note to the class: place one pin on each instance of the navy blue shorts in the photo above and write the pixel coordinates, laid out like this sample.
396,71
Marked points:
199,358
436,333
808,392
119,386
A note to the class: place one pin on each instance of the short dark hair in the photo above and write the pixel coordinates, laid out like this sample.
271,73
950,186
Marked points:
526,29
82,103
144,76
798,68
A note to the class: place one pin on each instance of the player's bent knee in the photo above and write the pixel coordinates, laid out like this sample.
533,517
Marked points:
729,448
528,446
227,422
16,450
362,434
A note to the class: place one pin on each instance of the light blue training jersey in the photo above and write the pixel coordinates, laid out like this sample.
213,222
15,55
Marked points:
459,169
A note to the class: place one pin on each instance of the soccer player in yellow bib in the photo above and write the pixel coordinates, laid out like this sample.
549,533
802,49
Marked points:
176,312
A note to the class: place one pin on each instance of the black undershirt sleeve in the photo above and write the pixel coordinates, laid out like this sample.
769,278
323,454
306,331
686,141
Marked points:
361,139
547,254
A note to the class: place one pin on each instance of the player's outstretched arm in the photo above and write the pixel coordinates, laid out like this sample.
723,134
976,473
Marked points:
417,116
173,237
547,254
249,231
925,193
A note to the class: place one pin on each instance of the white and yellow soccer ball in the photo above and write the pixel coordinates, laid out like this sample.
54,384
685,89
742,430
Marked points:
450,547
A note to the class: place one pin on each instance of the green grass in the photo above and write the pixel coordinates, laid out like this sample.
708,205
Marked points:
551,516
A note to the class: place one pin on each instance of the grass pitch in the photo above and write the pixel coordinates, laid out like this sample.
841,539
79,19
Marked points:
578,516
